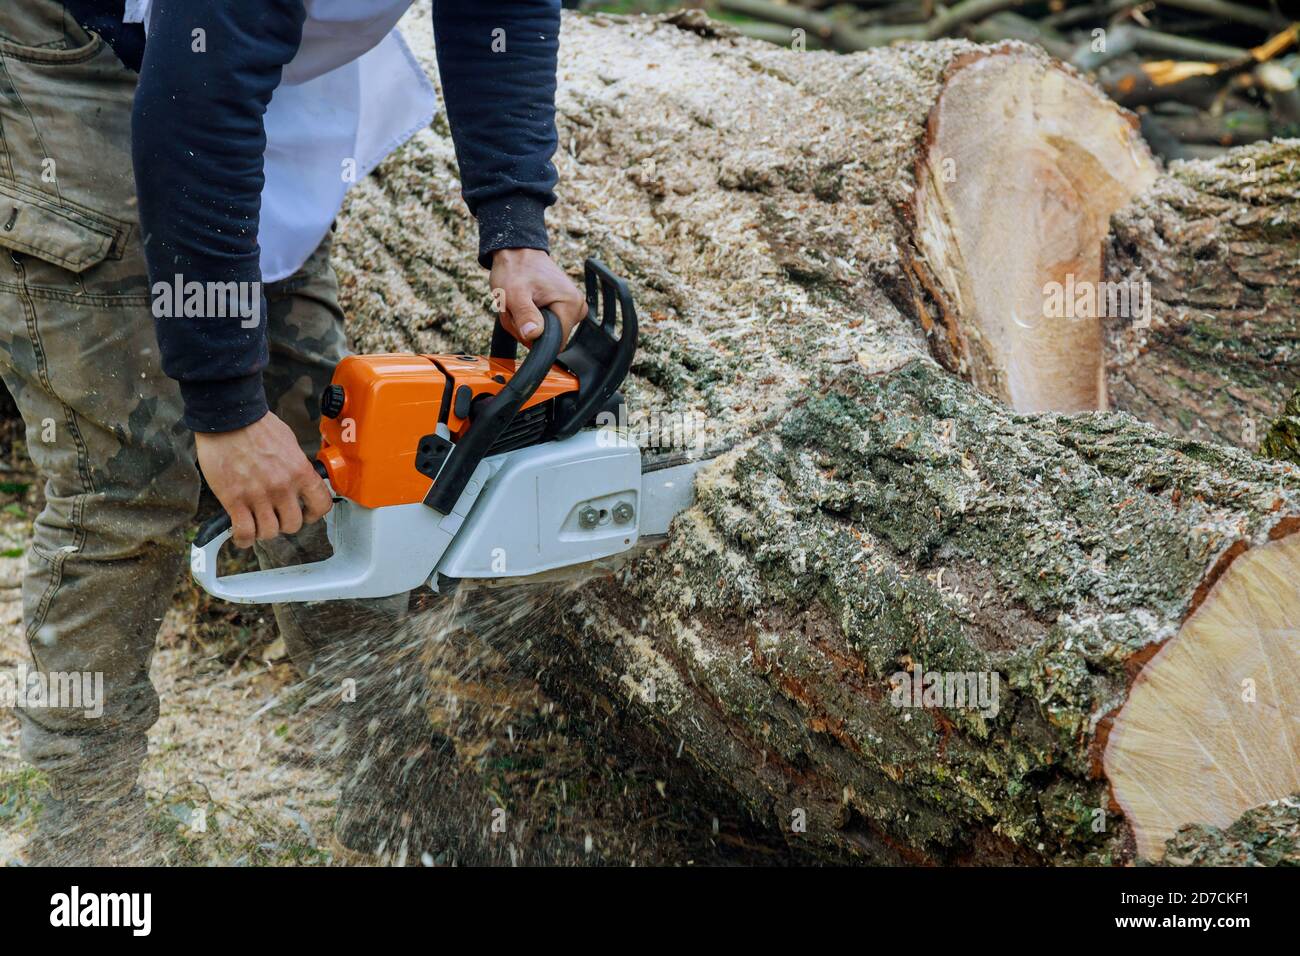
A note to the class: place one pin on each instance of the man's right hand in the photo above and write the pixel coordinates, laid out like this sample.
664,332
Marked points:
262,479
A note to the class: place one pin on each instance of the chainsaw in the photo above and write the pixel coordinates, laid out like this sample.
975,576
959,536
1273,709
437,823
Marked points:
447,468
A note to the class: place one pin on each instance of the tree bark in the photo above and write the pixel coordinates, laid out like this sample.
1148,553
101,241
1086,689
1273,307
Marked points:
771,205
800,246
1267,835
865,538
1217,244
1283,437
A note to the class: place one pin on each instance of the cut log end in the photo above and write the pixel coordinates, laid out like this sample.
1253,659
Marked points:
1211,727
1026,163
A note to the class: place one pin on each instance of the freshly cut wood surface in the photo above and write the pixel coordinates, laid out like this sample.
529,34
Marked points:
1211,727
1025,166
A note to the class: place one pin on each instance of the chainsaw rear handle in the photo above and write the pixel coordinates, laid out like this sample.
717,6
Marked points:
220,523
212,536
495,416
377,552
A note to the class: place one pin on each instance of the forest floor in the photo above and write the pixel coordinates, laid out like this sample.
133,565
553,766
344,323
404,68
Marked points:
243,765
228,747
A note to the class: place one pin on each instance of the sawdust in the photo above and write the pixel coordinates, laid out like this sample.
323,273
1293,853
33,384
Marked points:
216,751
452,748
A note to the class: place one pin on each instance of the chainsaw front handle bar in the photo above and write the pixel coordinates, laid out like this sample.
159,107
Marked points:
600,351
495,416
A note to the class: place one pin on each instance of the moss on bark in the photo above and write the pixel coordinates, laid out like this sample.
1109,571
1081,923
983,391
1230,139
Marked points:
1283,438
1268,835
866,537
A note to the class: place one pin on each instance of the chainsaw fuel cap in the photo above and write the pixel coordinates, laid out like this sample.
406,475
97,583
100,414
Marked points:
331,401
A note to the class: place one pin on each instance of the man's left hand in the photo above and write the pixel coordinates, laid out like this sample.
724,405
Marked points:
529,281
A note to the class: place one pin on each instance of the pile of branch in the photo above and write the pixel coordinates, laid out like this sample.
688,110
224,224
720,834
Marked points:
1205,74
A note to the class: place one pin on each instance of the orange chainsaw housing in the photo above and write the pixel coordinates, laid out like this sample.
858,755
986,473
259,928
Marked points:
392,401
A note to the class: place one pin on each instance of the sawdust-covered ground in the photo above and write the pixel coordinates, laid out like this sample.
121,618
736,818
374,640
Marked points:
217,747
465,756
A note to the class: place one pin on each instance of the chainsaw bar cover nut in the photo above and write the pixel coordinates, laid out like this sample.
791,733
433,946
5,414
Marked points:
588,517
623,513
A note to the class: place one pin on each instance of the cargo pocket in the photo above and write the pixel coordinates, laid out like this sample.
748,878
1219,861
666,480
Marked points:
41,31
56,232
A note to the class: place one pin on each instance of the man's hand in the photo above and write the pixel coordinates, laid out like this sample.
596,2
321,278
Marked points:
262,479
531,281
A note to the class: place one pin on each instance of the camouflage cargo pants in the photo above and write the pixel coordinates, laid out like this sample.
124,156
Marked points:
103,424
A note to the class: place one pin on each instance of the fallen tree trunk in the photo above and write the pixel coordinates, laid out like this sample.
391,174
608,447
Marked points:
1122,586
799,246
1216,246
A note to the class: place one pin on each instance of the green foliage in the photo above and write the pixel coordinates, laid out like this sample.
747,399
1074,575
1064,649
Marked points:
21,793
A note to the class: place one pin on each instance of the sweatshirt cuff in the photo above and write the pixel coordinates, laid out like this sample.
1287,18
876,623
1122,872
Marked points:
225,405
517,221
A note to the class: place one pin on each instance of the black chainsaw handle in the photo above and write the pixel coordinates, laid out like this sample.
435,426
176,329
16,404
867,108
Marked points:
594,355
598,359
503,345
220,522
495,416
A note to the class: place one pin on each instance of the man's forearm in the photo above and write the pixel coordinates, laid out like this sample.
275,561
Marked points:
208,73
497,62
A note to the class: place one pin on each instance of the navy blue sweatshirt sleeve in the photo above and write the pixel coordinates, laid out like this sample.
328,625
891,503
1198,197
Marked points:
208,73
497,63
199,140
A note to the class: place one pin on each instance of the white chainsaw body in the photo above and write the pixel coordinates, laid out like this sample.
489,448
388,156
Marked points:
566,497
553,505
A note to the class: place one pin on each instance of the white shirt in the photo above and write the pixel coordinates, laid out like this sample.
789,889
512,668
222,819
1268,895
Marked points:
353,93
